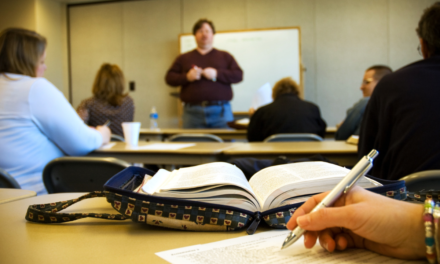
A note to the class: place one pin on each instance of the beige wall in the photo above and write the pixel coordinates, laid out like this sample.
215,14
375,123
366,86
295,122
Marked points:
340,39
17,13
48,18
51,23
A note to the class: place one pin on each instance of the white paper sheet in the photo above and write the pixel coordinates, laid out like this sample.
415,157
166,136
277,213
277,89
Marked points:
262,97
160,146
266,248
108,146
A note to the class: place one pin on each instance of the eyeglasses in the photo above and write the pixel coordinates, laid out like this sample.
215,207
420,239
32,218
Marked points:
419,49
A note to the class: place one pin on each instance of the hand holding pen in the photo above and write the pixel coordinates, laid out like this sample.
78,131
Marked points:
363,219
359,170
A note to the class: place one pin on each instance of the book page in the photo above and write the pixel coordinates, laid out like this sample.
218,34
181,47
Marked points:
207,174
271,179
150,186
265,248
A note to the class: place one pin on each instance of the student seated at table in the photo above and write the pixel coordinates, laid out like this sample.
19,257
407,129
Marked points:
286,114
37,124
109,101
352,123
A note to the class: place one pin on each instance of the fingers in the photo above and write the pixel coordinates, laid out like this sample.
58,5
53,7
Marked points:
310,238
326,240
305,208
329,217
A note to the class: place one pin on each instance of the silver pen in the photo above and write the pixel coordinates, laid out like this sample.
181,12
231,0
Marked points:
359,170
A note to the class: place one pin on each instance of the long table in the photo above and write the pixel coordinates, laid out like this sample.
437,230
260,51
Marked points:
339,151
199,153
225,134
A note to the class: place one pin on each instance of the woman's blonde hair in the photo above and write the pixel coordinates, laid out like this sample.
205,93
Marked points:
20,51
283,86
109,84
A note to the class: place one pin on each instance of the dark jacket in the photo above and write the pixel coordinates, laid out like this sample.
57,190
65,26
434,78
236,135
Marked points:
287,114
402,121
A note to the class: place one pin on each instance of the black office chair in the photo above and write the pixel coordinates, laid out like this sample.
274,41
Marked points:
423,180
80,174
195,138
293,137
7,181
116,138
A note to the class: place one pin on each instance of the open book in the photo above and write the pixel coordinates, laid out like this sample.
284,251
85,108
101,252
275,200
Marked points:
225,184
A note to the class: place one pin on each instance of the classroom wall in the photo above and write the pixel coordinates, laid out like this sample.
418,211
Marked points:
340,39
48,18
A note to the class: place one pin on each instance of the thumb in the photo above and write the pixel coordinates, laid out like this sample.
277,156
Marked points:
327,218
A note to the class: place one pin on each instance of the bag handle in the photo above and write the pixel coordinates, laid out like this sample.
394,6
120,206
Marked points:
48,213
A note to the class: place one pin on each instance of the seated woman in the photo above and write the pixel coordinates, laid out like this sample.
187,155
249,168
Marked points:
286,114
108,101
37,124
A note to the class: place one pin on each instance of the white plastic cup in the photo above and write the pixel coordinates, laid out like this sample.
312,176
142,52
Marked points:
131,132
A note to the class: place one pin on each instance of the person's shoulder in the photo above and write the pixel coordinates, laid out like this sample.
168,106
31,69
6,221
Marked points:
43,86
362,102
309,104
127,100
87,102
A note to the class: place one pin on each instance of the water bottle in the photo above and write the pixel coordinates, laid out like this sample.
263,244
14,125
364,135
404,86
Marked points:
153,118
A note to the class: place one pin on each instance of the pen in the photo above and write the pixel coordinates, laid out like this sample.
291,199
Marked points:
359,170
107,123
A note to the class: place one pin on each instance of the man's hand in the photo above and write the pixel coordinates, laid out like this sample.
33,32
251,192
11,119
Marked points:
194,74
210,73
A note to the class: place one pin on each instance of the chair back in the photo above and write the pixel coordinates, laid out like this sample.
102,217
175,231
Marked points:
80,174
117,138
422,180
7,181
195,138
293,137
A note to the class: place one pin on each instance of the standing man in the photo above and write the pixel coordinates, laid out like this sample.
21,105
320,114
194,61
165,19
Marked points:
352,123
402,119
205,75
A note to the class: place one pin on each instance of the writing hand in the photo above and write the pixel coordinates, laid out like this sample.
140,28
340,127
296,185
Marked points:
105,133
210,73
362,219
194,74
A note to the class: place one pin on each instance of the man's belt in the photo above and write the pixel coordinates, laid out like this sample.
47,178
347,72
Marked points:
207,103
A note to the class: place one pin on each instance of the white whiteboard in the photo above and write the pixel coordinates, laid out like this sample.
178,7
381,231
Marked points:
264,55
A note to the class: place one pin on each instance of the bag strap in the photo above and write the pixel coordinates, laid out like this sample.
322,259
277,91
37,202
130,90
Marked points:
48,213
